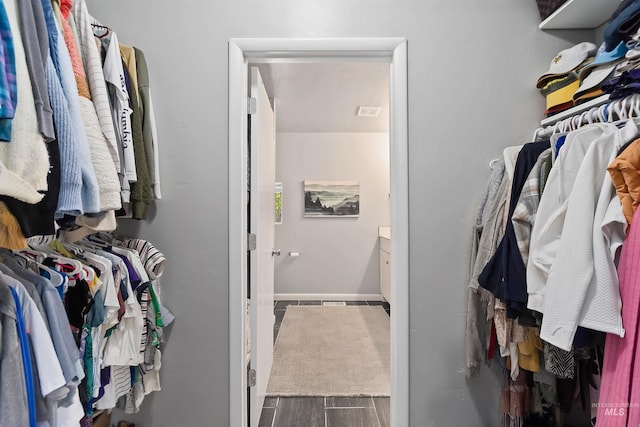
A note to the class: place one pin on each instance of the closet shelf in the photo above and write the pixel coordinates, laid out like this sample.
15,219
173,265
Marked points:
575,14
596,102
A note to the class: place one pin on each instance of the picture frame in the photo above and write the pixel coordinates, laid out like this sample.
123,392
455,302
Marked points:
331,199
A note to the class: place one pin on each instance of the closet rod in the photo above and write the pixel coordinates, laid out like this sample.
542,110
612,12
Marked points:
618,109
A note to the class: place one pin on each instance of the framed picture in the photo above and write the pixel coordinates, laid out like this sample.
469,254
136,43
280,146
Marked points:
278,203
331,199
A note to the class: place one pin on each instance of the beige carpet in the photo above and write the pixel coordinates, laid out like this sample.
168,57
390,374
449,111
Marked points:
332,351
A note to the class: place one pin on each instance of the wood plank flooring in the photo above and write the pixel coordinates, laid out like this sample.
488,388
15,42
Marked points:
324,411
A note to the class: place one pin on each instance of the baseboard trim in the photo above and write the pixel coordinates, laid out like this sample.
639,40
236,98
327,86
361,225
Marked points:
329,297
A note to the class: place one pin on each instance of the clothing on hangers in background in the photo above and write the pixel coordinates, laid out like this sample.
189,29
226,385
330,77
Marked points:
96,332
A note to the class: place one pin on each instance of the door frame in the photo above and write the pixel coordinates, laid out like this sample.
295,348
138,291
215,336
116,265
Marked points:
241,52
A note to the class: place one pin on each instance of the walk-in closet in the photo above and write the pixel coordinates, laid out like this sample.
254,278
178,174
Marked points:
505,253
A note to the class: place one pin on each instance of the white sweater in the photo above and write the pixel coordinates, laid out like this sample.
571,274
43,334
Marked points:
547,229
582,287
24,161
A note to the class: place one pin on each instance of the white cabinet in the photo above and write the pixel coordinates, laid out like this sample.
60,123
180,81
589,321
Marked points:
385,267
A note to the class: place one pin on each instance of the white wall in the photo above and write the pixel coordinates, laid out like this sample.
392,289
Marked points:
337,255
472,71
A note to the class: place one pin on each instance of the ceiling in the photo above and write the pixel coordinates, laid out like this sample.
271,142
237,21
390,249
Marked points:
324,97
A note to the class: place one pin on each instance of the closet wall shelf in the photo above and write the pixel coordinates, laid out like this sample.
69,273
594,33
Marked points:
575,110
576,14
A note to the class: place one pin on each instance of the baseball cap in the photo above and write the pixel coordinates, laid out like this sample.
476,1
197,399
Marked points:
567,60
596,76
604,57
560,91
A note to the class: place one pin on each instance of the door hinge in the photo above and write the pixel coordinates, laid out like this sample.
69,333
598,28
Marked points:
252,105
251,242
251,377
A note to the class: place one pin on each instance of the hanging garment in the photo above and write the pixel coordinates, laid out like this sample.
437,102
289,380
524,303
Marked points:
624,175
547,230
524,213
101,157
505,274
141,192
95,77
78,185
33,30
487,233
582,287
24,162
38,219
120,107
14,409
149,133
8,89
620,383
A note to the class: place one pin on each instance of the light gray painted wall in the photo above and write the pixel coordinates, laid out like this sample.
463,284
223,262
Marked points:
337,255
472,72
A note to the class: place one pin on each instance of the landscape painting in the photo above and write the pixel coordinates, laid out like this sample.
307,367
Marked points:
331,199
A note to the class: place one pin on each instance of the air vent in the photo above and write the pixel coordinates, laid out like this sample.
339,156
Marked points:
367,111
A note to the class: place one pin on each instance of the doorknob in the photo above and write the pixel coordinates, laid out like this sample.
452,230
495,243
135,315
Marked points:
275,252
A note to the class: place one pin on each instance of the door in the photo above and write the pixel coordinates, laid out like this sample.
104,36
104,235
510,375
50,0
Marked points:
262,225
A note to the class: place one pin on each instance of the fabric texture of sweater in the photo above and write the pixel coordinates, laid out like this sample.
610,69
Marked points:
95,77
78,186
24,162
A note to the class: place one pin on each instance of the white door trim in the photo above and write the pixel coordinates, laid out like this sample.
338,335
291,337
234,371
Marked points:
241,52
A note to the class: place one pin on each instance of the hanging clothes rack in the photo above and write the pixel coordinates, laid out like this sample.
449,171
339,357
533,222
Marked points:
593,112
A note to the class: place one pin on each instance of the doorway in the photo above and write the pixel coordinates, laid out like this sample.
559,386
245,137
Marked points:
390,50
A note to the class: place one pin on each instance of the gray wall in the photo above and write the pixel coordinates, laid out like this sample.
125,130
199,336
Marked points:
337,255
472,71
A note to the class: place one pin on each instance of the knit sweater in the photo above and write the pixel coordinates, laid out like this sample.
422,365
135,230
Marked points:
101,157
24,162
78,185
95,77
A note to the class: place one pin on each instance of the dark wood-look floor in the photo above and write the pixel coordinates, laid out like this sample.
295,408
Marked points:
324,411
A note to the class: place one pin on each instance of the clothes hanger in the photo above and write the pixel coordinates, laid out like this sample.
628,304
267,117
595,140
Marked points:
536,135
104,28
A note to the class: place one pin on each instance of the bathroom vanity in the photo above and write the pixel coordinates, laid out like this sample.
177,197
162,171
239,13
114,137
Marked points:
384,239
